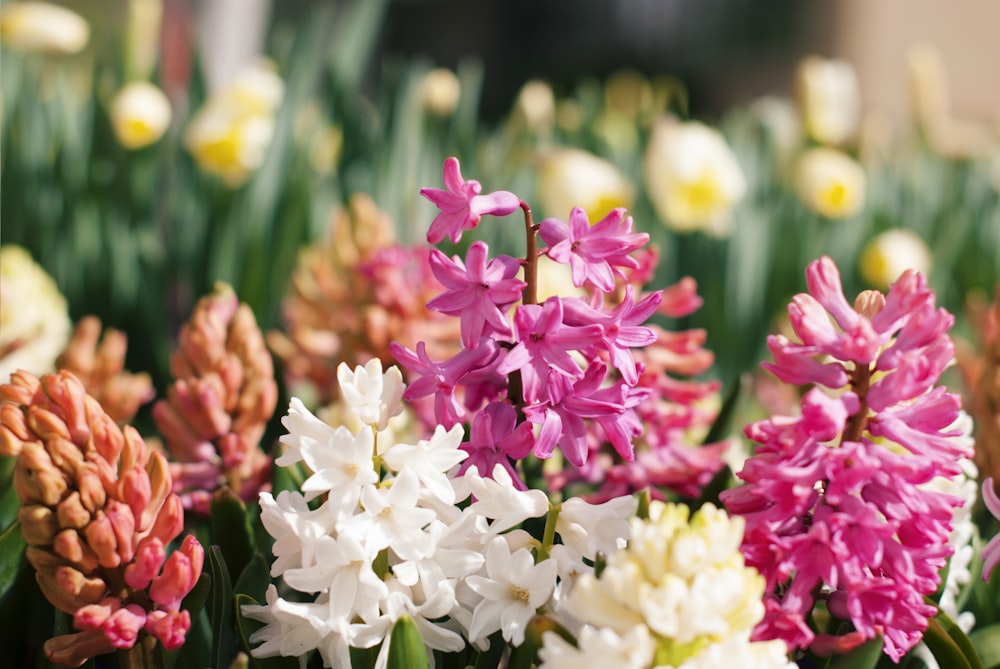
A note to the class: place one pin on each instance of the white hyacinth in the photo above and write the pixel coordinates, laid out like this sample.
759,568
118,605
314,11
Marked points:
373,396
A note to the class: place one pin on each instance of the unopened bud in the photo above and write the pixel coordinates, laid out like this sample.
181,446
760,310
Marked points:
180,573
869,302
123,525
65,455
72,650
73,582
22,389
123,626
92,616
169,521
101,538
12,417
134,488
72,512
70,546
67,393
146,565
107,437
38,524
160,484
90,487
36,479
46,424
169,628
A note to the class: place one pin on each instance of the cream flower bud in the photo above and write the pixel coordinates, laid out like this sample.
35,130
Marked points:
140,114
830,183
692,176
573,178
441,91
42,27
829,98
889,254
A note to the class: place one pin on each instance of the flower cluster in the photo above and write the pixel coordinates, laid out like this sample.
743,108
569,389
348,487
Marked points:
218,406
97,513
569,366
834,502
388,538
678,596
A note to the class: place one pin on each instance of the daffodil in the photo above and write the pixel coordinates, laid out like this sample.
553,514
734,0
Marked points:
830,182
571,178
42,27
889,254
829,98
140,114
441,91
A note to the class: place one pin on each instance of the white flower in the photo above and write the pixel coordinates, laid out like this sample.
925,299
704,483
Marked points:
441,91
140,114
292,629
830,183
34,321
302,427
891,253
499,500
598,648
829,98
430,460
513,590
42,27
535,107
295,528
571,178
692,177
373,396
341,467
589,529
749,654
391,518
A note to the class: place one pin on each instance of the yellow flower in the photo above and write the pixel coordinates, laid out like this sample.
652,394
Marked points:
692,176
535,108
892,252
829,99
42,27
574,178
34,322
140,114
230,134
830,182
441,91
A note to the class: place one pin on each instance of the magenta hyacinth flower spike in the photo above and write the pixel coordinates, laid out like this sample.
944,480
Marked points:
461,204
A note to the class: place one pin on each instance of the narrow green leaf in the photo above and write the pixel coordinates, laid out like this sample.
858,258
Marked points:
987,643
865,656
246,627
945,650
9,502
220,610
195,600
724,420
406,646
254,579
959,638
11,557
231,531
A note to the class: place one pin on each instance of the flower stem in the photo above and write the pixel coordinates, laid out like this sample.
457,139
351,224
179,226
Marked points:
860,382
549,536
530,294
143,655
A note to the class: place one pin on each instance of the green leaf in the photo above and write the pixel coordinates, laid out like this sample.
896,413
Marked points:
945,650
723,421
9,502
254,579
987,643
865,656
246,627
958,637
490,658
231,531
12,547
525,656
220,609
406,647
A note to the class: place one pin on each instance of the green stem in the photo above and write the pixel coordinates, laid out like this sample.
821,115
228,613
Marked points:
143,655
549,536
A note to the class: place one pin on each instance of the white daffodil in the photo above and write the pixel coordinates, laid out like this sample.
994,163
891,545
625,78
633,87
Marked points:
829,98
430,460
692,177
569,178
374,397
140,114
499,500
34,321
342,467
512,591
598,648
830,182
589,529
42,27
441,91
891,253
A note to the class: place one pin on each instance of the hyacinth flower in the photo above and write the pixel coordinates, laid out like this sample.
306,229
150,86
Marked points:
216,410
98,514
580,370
98,360
980,367
835,502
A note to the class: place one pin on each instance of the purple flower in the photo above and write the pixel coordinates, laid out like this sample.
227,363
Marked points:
991,553
544,343
594,253
496,437
479,292
461,204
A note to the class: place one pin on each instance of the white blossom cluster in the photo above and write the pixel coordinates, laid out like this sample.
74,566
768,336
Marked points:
389,539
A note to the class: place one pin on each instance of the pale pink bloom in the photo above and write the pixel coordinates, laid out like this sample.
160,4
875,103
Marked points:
991,553
461,204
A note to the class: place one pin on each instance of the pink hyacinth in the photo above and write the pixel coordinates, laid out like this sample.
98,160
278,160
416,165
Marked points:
832,500
991,553
461,204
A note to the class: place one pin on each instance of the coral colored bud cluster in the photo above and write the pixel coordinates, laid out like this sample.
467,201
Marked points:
97,513
218,406
834,503
574,373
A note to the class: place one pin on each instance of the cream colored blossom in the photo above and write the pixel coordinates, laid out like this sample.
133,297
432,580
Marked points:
692,176
830,183
441,91
829,98
574,178
535,107
890,253
34,322
140,114
684,580
42,27
230,134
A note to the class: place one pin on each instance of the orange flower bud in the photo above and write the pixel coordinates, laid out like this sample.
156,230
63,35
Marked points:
36,479
72,513
38,524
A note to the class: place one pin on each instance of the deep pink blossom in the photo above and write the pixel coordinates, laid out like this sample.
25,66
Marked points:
496,437
461,204
991,553
595,253
479,291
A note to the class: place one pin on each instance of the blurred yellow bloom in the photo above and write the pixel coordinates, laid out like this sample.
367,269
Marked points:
34,321
574,178
140,114
890,253
42,27
692,176
630,94
829,98
553,279
441,91
830,182
535,107
230,134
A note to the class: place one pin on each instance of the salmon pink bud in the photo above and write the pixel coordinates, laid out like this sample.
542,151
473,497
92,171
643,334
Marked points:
134,488
72,513
72,650
175,581
69,545
36,479
38,524
123,525
148,560
46,424
10,443
101,538
169,521
68,394
88,483
123,626
93,616
169,627
65,455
